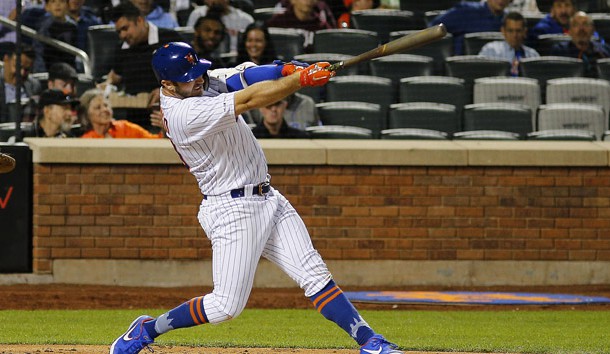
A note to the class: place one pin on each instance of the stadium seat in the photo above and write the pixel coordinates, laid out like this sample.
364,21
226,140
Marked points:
606,136
601,21
485,135
473,42
101,43
262,14
550,67
424,115
439,89
362,88
603,68
437,50
579,90
562,134
385,21
532,19
344,41
413,134
507,117
398,66
288,42
351,113
573,116
519,90
470,67
546,41
339,132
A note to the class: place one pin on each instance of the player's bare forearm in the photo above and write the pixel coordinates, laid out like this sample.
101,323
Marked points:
265,93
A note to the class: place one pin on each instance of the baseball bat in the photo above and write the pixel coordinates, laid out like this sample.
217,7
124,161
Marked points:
402,44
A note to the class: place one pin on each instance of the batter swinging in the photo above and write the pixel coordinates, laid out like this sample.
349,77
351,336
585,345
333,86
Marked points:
241,213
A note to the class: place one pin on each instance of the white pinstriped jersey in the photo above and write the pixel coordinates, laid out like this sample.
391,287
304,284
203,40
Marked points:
218,147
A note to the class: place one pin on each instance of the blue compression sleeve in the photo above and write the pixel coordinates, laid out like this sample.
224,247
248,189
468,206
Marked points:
253,75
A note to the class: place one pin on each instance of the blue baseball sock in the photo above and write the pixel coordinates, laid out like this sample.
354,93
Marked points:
188,314
334,306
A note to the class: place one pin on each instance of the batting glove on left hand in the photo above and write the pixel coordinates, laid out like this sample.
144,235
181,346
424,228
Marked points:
316,74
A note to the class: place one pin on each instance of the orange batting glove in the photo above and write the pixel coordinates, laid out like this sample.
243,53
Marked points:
292,67
316,74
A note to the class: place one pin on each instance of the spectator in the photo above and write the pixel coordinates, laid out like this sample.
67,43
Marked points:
556,21
235,20
32,16
132,57
344,20
308,15
469,17
581,46
514,30
63,77
300,112
154,109
55,119
209,33
8,10
97,121
256,46
273,124
155,14
84,17
8,80
58,26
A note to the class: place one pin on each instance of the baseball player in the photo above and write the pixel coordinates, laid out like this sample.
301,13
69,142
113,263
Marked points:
241,213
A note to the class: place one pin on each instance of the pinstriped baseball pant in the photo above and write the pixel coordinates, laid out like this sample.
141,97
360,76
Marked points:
242,230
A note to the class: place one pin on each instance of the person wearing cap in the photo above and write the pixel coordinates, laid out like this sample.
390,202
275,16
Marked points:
244,217
557,21
55,119
97,121
63,77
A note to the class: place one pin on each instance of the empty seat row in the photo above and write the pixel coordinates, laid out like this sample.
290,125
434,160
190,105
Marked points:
350,132
513,118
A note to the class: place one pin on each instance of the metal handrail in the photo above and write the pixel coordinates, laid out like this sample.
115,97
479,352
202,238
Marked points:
64,47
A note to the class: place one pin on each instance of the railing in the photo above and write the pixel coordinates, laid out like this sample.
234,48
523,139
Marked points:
64,47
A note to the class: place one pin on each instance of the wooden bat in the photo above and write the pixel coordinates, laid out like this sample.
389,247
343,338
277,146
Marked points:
402,44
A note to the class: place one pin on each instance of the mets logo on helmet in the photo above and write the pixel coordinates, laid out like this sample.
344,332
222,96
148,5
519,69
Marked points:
190,58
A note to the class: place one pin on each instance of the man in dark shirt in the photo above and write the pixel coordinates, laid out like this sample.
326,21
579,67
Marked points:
470,17
209,32
581,46
556,21
308,15
273,124
132,57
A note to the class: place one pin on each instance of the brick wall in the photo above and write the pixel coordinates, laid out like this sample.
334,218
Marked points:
356,213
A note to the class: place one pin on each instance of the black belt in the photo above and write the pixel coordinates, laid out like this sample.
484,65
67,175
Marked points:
259,189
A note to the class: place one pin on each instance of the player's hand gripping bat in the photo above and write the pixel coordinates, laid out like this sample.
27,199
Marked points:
402,44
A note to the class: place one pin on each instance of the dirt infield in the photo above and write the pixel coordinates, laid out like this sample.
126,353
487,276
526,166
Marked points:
73,297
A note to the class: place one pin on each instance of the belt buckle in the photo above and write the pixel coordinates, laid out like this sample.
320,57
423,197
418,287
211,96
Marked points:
261,186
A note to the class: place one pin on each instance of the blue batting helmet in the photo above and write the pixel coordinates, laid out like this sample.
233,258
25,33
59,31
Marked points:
178,61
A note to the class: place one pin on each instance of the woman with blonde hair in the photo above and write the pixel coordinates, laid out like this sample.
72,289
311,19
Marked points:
96,117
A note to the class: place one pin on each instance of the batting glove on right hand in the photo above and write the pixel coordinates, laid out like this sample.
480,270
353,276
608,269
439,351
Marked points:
316,74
